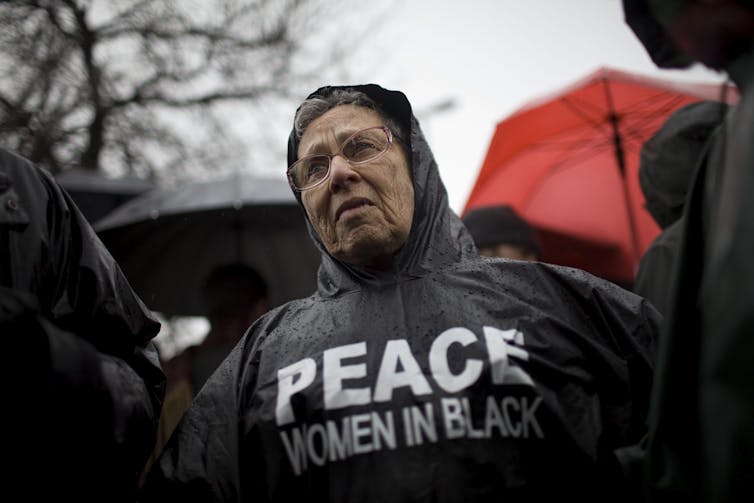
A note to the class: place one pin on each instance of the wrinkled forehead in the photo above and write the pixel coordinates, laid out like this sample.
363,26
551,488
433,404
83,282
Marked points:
329,130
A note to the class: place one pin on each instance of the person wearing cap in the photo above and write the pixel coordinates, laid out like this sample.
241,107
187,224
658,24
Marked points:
418,371
498,231
667,164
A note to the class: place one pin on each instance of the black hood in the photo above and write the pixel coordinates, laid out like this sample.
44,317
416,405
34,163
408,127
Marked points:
668,160
437,235
653,36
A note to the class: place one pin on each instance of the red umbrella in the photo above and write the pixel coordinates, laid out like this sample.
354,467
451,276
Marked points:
569,165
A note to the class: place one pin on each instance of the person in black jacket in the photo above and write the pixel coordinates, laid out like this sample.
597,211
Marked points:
84,384
418,371
700,445
667,164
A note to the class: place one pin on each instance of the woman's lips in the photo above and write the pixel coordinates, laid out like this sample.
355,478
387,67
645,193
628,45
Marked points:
351,204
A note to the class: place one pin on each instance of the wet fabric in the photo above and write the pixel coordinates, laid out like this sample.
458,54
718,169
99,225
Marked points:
700,445
669,159
654,279
83,379
668,163
447,378
701,440
727,296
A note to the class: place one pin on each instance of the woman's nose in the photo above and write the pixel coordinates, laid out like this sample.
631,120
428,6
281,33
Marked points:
341,173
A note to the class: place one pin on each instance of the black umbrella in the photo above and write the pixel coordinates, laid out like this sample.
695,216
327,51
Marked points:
97,195
167,241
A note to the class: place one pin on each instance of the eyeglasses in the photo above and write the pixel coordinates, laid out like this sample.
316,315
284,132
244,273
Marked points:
360,148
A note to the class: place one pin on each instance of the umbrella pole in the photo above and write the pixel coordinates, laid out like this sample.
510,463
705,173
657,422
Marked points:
238,225
620,157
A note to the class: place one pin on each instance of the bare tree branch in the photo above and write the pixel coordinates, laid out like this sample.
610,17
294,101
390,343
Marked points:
149,86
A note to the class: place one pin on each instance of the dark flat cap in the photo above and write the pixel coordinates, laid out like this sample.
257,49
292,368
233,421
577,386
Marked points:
493,225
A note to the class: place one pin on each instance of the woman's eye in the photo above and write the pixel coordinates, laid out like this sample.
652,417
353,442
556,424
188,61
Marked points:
360,148
315,169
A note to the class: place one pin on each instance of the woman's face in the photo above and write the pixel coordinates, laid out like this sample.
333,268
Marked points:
361,213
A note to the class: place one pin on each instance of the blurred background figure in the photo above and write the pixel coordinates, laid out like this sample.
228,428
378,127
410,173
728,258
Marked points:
234,296
667,164
498,231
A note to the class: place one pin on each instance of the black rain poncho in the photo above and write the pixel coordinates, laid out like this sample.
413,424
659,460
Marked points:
83,381
447,378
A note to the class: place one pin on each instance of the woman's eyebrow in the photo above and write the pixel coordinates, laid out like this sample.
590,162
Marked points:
322,145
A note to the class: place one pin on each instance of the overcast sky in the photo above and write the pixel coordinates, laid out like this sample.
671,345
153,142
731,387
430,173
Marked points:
491,57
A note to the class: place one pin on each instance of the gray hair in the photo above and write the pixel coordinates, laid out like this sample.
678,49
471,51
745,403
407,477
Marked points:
316,106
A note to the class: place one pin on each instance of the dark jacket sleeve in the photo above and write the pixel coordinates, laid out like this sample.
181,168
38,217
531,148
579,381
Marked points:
82,339
630,326
654,277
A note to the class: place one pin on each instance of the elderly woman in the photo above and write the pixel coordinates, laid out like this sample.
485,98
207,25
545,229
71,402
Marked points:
418,371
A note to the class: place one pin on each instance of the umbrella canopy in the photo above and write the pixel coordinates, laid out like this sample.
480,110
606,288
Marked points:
569,164
97,195
167,241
